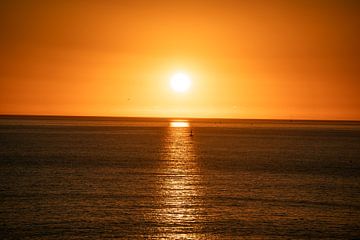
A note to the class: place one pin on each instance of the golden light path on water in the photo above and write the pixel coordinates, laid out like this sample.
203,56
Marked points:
180,185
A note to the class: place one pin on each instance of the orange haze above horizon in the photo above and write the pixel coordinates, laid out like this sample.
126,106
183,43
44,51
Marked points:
247,59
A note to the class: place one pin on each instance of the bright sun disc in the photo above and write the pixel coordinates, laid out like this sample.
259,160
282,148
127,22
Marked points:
180,82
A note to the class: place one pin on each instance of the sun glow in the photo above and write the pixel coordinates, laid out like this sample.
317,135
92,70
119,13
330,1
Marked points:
180,82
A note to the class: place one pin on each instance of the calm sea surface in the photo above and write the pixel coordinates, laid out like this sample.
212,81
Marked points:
73,178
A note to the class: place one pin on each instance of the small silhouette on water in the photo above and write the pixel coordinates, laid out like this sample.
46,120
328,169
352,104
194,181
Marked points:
191,133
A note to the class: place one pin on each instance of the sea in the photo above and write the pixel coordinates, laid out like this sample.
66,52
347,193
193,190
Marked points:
153,178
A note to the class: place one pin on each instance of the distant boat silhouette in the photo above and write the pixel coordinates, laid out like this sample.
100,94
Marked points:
191,133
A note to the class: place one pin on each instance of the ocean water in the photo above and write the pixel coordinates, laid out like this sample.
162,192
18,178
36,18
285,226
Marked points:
136,178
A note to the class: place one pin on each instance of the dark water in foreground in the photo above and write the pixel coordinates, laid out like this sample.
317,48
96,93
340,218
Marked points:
71,178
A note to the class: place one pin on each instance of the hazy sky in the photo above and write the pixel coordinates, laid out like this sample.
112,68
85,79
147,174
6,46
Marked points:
247,59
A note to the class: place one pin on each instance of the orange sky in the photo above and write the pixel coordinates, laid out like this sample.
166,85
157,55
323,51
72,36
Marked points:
247,59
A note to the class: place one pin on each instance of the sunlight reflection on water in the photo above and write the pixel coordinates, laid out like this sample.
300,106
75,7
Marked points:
179,124
180,185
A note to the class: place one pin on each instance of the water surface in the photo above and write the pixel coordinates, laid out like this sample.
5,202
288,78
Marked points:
68,177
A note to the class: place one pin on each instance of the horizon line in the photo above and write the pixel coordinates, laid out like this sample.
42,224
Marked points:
179,118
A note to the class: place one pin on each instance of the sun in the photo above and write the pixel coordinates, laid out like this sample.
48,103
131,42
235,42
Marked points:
180,82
